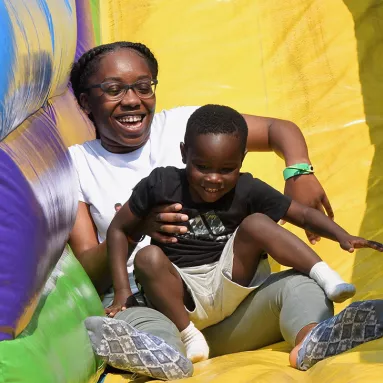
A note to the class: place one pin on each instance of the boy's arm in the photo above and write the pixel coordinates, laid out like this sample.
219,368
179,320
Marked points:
317,222
123,224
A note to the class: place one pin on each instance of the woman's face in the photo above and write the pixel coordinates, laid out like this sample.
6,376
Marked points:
123,125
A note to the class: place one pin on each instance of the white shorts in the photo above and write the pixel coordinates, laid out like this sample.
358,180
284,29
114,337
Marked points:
215,295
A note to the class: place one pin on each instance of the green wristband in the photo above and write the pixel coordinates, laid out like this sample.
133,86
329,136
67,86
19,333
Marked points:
297,170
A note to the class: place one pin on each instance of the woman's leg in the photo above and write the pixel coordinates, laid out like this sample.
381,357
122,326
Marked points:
358,323
140,340
166,291
259,233
284,307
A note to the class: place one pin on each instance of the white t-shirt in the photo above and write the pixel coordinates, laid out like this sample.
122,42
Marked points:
105,178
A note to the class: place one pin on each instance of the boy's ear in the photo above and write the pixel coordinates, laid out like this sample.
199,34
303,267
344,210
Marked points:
183,152
84,103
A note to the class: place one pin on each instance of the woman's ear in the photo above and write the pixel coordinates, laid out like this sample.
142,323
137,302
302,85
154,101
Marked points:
84,103
183,152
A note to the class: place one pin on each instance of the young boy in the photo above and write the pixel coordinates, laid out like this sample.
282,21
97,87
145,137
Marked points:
203,276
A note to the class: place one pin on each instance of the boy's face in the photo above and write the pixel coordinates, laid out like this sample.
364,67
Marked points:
213,163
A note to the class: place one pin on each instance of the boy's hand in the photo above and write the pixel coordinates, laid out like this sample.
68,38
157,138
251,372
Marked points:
307,190
123,299
350,243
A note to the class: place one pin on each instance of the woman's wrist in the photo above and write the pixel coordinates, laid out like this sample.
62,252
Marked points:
297,169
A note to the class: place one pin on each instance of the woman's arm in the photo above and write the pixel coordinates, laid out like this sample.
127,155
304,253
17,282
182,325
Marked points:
285,139
281,136
91,254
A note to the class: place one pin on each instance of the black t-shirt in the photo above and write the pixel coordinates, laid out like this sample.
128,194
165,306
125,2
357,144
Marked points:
210,224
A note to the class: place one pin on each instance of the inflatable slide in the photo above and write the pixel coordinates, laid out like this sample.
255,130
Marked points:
314,62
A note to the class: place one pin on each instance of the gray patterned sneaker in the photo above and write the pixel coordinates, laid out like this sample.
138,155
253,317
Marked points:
123,347
358,323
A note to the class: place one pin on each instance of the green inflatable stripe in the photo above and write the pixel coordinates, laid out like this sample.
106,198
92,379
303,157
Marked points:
95,7
55,348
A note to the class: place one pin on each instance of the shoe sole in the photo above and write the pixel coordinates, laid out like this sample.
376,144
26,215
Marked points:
358,323
125,348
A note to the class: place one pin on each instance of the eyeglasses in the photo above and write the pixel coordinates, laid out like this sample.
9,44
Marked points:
116,91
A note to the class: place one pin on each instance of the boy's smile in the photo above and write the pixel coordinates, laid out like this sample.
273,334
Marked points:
213,163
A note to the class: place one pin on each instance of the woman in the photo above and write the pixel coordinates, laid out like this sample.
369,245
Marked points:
115,85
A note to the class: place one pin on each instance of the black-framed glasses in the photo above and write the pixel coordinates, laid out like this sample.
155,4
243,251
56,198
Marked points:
115,90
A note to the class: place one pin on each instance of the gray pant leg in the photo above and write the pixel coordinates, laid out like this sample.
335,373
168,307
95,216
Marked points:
155,323
280,308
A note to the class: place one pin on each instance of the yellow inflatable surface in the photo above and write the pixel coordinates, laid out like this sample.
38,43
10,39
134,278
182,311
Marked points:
315,62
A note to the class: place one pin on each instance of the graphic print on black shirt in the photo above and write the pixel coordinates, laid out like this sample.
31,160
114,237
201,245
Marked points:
210,224
207,226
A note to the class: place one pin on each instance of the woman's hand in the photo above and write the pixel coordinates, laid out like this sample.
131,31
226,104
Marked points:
165,219
307,190
123,299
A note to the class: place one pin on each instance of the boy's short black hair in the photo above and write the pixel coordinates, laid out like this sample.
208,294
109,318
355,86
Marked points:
216,119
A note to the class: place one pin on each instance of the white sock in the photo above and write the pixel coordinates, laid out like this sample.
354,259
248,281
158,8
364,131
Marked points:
336,289
195,343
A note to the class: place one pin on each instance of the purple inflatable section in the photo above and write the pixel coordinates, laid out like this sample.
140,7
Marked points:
22,227
85,34
38,190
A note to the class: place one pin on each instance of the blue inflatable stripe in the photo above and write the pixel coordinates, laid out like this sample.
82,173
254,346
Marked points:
67,3
44,6
7,54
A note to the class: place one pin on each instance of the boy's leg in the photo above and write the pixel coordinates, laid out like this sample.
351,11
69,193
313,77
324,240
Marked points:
166,291
259,233
162,284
